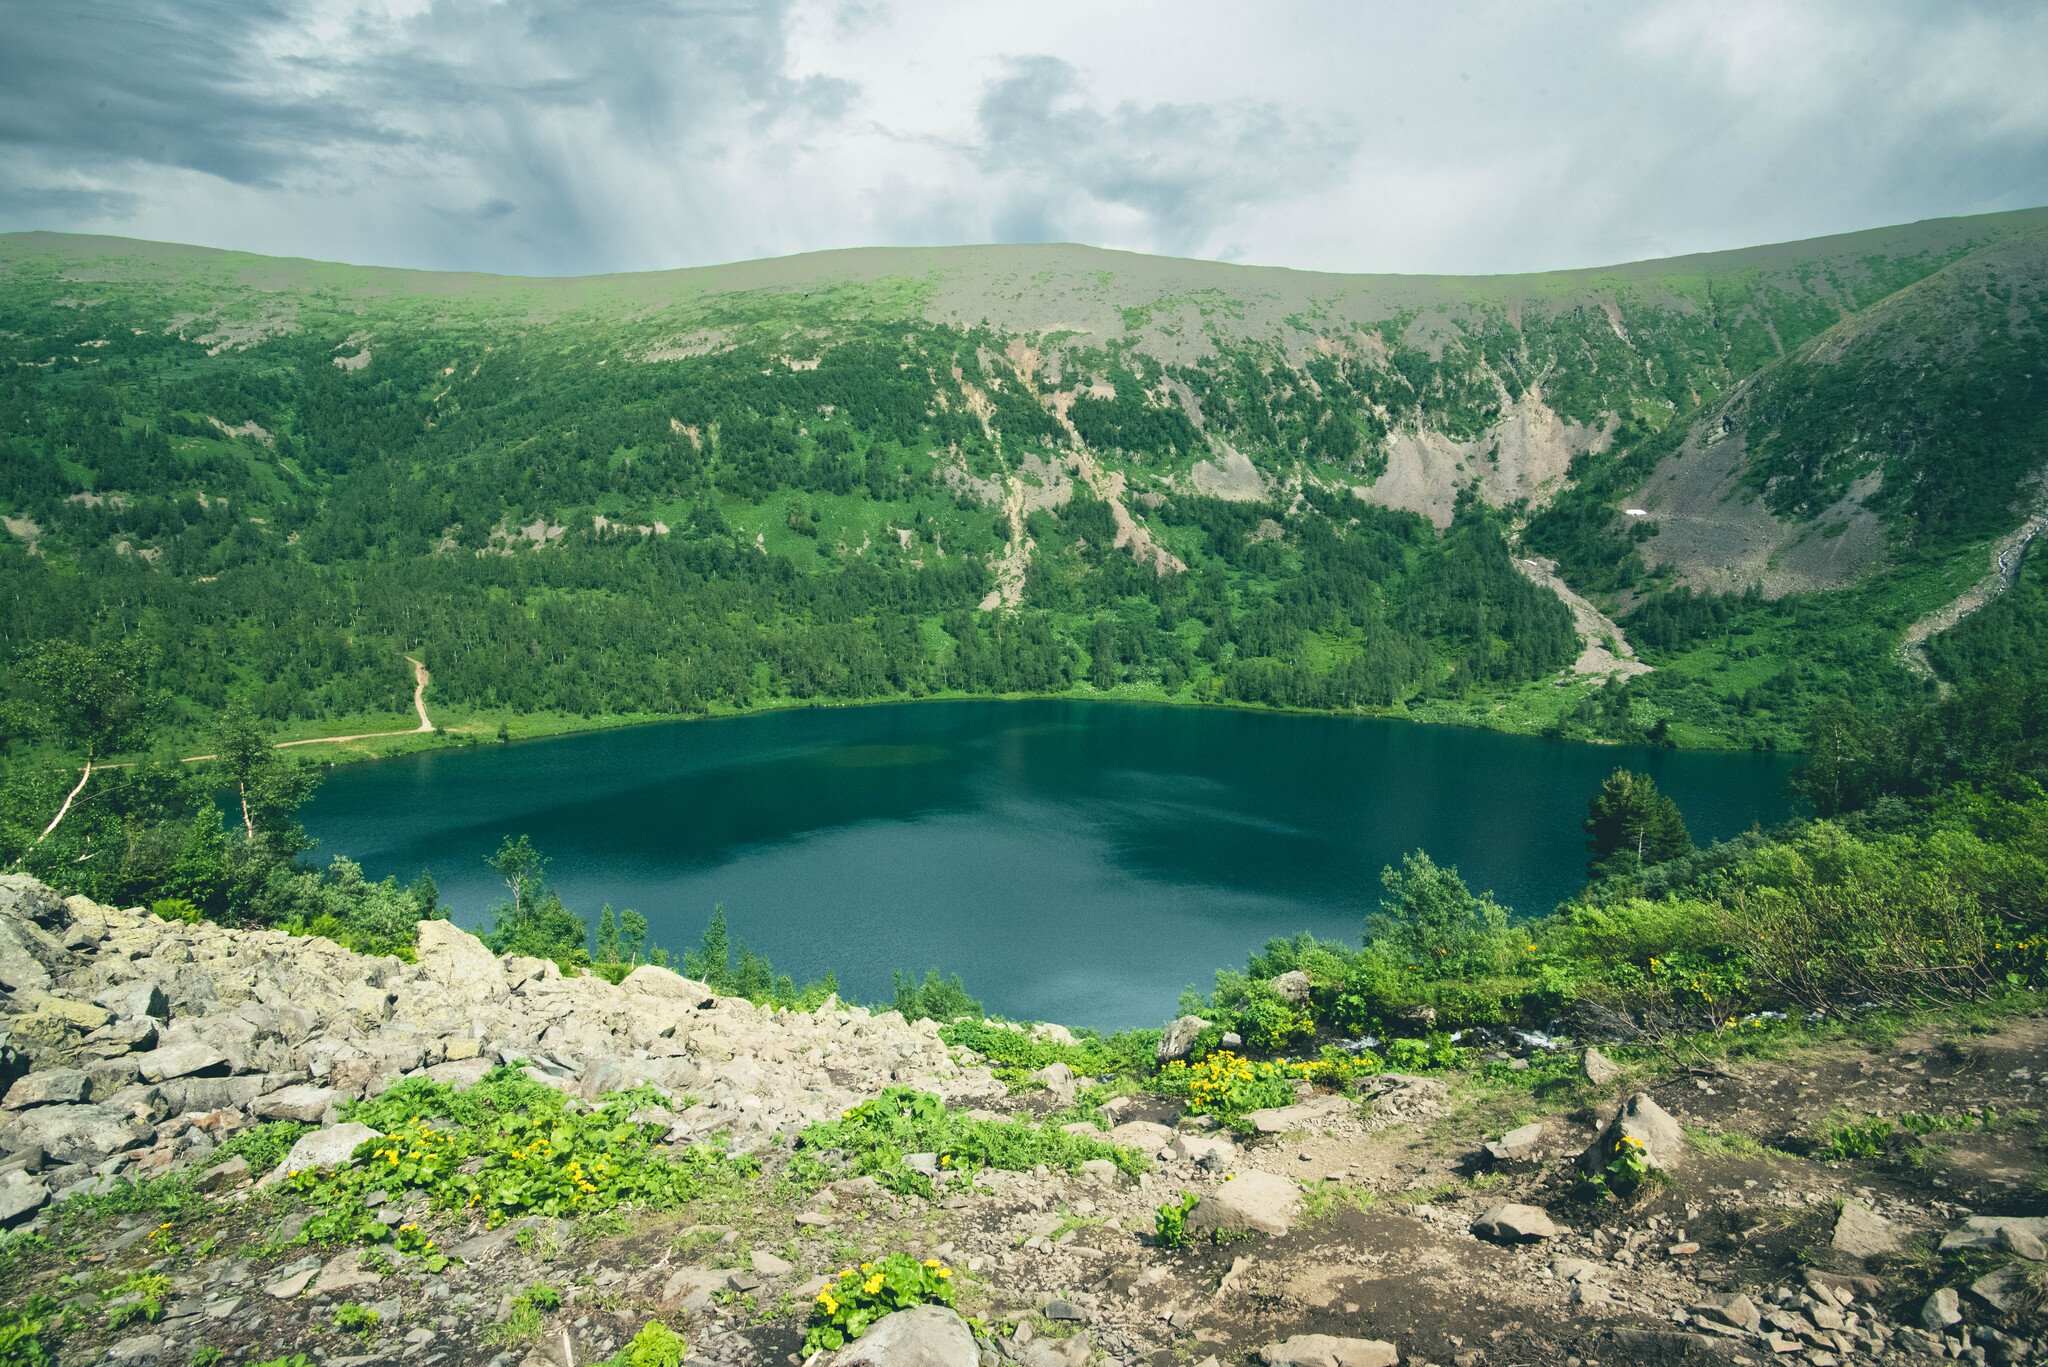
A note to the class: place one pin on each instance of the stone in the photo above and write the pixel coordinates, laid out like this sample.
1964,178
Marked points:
1252,1202
1322,1350
143,1000
229,1172
1508,1223
654,981
56,1087
922,1336
1734,1310
182,1060
1058,1079
1178,1037
1597,1068
304,1103
328,1148
1982,1231
457,961
1306,1115
1517,1146
462,1073
690,1288
1861,1232
78,1134
1202,1148
344,1274
1293,987
290,1285
138,1348
22,1194
2001,1289
2013,1239
1639,1118
1142,1135
768,1265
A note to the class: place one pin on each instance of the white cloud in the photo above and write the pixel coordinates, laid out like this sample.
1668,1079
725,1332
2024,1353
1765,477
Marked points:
577,135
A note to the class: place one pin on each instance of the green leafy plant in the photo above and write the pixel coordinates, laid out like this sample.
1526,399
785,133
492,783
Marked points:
861,1295
1224,1085
140,1297
1855,1139
1170,1223
523,1325
656,1345
22,1330
263,1147
356,1319
206,1355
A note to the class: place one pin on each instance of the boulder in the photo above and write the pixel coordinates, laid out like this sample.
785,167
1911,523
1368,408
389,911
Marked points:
2002,1289
653,981
57,1087
230,1172
328,1148
1252,1202
768,1265
304,1103
690,1289
922,1336
1202,1148
1142,1135
1058,1079
1322,1350
1178,1037
1734,1310
138,1349
1985,1231
22,1194
143,1000
1293,987
1520,1146
1941,1309
457,961
1861,1232
79,1134
2020,1243
1508,1223
463,1073
1597,1068
192,1059
1306,1115
1643,1120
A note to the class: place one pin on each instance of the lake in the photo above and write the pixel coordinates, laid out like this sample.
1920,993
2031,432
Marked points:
1073,861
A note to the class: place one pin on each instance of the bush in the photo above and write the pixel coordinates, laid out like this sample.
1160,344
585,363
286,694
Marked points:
861,1295
1170,1224
656,1345
1226,1086
262,1146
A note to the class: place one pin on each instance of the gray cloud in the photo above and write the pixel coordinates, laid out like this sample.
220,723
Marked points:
581,135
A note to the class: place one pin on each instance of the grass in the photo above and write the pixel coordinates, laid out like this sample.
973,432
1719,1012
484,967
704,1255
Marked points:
1325,1199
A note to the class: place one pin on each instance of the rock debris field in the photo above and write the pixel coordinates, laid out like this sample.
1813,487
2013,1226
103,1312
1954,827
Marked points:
1422,1220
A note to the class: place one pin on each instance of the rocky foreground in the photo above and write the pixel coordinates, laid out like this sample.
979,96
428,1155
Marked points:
1422,1220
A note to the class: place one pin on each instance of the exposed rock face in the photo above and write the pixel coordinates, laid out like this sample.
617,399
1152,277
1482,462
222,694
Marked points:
118,1023
1179,1036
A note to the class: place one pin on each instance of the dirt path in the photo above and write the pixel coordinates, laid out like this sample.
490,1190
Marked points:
2007,555
419,702
1593,626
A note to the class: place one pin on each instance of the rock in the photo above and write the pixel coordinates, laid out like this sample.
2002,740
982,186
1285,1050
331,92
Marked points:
79,1134
1735,1311
1202,1148
1982,1231
57,1087
1253,1202
1861,1232
144,1000
304,1103
1517,1146
1142,1135
923,1336
229,1172
1321,1350
1293,987
1640,1118
1941,1309
2001,1289
768,1265
1598,1069
690,1288
344,1274
2015,1240
1306,1115
458,962
462,1073
182,1060
1103,1173
138,1348
327,1148
1058,1079
22,1194
653,981
290,1285
1179,1036
1508,1223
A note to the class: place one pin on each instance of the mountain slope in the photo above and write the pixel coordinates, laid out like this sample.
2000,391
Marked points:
1009,469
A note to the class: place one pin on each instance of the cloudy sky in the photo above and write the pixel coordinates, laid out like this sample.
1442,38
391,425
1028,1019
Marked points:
571,136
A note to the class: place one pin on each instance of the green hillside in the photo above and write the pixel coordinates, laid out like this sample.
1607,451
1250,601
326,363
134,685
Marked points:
904,473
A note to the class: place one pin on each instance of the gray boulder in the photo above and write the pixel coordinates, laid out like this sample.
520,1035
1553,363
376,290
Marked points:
304,1103
1250,1203
923,1336
78,1134
57,1087
1058,1079
1597,1068
1735,1311
139,1349
1861,1232
22,1194
1293,987
1508,1223
1640,1119
2002,1289
459,962
1520,1146
1322,1350
1941,1309
138,1000
182,1060
1179,1036
654,981
328,1148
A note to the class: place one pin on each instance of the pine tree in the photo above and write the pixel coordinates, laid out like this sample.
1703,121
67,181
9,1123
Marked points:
1629,818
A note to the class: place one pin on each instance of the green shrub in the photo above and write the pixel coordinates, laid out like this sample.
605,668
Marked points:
1132,1051
861,1295
873,1137
523,1325
1170,1224
356,1319
1224,1085
656,1345
262,1146
22,1330
177,909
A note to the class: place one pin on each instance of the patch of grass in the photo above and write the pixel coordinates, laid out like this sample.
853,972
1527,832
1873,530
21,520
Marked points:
1325,1199
524,1324
262,1146
656,1345
1724,1143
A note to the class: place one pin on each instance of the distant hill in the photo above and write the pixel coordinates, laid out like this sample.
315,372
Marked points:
896,472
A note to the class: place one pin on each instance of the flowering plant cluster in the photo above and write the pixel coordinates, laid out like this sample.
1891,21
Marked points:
1222,1084
861,1295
